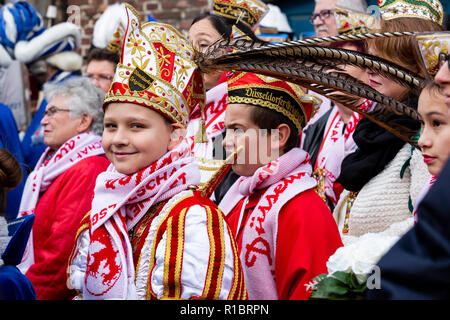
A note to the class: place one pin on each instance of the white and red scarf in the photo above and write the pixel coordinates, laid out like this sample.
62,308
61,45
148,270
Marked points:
336,145
422,195
284,178
49,167
120,201
214,116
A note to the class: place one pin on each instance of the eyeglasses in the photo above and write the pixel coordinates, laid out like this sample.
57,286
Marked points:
99,77
52,110
324,14
443,58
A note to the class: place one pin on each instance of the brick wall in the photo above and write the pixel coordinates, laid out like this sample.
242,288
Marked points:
178,13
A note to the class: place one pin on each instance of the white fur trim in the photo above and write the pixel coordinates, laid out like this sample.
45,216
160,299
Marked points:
10,26
28,51
5,58
67,61
107,24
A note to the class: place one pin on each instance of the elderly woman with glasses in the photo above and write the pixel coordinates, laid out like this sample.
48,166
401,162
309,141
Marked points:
60,189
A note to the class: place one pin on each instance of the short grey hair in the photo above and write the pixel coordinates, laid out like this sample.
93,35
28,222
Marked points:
355,5
83,97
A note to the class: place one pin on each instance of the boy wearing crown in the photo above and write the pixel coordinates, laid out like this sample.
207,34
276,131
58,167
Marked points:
284,231
153,235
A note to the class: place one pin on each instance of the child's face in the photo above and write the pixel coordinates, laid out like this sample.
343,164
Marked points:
135,136
435,133
259,147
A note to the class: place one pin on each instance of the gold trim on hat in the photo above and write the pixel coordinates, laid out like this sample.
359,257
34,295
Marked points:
407,9
130,98
249,15
147,70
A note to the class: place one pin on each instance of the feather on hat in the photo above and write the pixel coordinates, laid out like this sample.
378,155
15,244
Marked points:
318,69
109,29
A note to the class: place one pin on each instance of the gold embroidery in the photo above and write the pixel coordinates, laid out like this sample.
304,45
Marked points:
294,115
319,175
351,197
236,264
212,255
150,293
142,225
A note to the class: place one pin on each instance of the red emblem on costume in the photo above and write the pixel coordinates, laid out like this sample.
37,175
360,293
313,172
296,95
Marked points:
103,264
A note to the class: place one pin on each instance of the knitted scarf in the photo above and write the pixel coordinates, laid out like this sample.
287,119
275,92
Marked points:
284,178
120,201
49,167
376,148
336,145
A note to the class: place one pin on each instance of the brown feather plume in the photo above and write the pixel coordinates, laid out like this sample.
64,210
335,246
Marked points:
321,79
215,58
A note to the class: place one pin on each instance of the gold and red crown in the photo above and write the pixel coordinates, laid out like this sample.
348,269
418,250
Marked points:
281,96
430,46
353,22
157,71
425,9
250,12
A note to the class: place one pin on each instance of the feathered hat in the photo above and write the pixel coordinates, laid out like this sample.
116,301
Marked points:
109,29
425,9
157,71
249,12
280,96
430,46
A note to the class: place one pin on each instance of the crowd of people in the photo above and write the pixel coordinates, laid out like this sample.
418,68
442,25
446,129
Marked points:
213,165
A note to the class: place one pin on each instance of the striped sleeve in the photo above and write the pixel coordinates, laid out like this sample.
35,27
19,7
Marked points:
197,258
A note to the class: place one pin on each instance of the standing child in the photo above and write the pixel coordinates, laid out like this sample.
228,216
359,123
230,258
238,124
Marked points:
153,236
434,141
285,232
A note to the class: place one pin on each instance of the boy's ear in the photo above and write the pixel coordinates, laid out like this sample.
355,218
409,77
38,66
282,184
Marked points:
177,135
284,132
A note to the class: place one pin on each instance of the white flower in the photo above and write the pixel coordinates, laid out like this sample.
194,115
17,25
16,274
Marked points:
361,255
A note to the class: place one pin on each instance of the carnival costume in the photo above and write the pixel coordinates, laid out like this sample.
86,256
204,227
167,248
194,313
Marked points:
205,139
59,193
283,229
151,234
24,38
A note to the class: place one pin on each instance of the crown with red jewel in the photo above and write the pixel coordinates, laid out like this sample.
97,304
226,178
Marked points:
353,22
157,71
425,9
267,92
250,12
430,46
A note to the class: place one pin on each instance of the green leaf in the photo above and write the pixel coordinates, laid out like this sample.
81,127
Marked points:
320,277
332,285
339,286
345,277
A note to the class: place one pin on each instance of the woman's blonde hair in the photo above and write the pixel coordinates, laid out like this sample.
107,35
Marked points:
401,50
